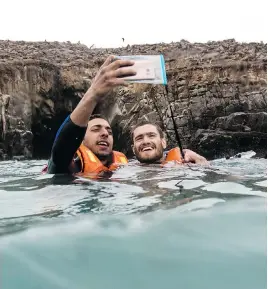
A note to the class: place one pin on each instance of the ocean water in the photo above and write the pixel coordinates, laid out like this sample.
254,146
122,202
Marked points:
187,227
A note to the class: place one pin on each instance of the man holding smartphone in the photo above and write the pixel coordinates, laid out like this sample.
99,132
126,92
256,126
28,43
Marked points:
84,143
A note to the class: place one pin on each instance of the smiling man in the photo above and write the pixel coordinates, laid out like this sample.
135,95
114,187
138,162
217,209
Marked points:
149,146
84,142
95,153
148,143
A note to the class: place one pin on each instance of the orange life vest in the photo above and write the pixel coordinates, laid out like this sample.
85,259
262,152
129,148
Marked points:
174,155
91,164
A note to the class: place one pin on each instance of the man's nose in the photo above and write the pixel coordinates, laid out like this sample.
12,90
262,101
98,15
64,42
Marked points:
104,132
146,140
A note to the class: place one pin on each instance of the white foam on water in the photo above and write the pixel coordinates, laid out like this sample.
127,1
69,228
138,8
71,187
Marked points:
262,184
247,155
31,188
232,188
201,204
44,177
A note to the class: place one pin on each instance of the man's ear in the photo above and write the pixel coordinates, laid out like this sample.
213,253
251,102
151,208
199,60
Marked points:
164,143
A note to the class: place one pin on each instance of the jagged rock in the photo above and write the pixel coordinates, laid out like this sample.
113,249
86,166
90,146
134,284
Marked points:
19,142
218,143
239,121
216,87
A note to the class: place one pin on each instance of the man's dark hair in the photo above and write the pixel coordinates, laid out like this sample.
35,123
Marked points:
93,116
144,122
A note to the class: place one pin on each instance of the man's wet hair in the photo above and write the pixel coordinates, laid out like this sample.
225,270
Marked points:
144,122
93,116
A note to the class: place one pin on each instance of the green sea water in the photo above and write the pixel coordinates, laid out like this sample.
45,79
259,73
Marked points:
146,227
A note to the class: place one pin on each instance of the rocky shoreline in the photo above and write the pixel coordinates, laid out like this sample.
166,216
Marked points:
218,91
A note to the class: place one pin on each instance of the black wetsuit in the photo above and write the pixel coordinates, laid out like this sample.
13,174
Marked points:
68,139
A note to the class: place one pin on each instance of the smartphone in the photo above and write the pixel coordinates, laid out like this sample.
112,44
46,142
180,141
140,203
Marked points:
149,68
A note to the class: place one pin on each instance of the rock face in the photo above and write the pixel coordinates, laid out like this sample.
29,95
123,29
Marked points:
217,92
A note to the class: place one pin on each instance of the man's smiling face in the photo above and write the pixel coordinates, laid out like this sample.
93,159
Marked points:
99,137
148,146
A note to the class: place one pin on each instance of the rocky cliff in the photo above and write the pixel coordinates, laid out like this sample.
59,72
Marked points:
218,92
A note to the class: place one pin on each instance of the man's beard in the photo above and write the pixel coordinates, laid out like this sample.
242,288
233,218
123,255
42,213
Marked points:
150,160
105,157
